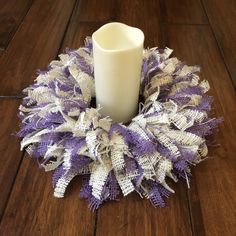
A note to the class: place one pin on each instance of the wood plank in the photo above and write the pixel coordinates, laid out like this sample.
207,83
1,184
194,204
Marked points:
12,12
9,148
183,12
32,209
96,11
135,216
132,215
214,188
222,17
34,45
33,191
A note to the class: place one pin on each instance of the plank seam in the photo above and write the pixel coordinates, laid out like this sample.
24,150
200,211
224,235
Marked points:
13,183
191,24
66,28
11,97
190,212
218,45
67,25
95,223
17,28
162,31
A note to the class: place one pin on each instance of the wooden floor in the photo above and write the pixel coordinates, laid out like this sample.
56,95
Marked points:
33,32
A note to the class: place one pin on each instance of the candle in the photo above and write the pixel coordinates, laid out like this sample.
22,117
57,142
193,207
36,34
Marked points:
117,53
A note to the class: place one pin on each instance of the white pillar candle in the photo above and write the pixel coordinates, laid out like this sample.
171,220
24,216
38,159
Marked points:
117,53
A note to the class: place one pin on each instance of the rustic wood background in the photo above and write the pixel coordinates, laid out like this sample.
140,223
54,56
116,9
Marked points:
33,32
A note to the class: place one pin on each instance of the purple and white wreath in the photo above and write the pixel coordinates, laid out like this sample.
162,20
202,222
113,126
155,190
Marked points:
61,129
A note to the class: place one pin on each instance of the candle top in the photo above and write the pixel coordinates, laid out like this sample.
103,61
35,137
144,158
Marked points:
117,36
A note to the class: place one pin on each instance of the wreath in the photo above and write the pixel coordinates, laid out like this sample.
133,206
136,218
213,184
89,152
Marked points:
66,134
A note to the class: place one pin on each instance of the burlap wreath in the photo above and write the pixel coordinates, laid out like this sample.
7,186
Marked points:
61,129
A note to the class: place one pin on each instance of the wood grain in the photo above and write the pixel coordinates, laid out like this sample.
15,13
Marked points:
12,12
77,31
222,16
135,216
9,148
129,12
96,11
1,51
144,15
213,194
183,12
32,209
34,45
